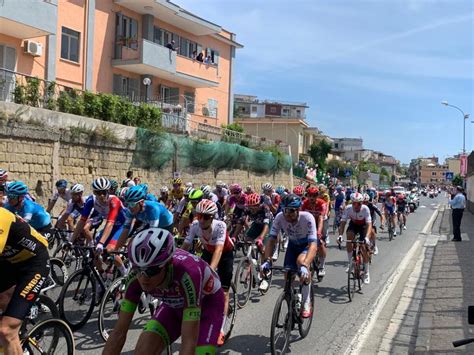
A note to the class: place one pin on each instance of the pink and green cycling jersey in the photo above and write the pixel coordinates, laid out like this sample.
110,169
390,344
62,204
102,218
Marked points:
190,281
239,202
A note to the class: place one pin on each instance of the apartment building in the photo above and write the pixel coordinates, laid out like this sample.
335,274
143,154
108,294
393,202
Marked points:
120,46
428,171
279,121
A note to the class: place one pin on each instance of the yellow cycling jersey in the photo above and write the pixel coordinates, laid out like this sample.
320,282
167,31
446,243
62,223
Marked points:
18,240
176,194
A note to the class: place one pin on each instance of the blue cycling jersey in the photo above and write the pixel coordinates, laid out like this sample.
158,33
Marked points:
154,214
339,198
151,197
32,213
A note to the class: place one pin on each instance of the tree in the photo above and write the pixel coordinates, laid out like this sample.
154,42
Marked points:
319,153
234,127
457,180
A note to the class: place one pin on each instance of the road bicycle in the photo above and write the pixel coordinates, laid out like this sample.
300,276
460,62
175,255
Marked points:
287,313
247,275
356,272
401,225
85,288
58,275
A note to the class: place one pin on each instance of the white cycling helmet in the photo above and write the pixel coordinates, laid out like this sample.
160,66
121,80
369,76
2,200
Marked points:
188,190
366,197
206,207
220,184
206,190
151,247
101,184
3,174
189,184
267,186
77,188
164,189
357,197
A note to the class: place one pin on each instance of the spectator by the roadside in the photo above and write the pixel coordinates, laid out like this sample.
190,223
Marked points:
171,46
137,180
208,60
129,180
200,57
458,203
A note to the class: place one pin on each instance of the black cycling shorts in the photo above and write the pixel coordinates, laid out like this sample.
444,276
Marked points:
358,229
225,267
29,277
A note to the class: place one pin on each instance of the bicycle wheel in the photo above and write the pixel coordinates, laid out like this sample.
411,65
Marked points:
390,232
77,299
305,323
358,275
51,336
43,308
351,281
243,282
110,307
280,330
231,313
67,254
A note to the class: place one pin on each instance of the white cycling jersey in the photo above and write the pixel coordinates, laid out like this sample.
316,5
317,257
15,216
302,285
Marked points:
360,218
303,231
66,196
216,235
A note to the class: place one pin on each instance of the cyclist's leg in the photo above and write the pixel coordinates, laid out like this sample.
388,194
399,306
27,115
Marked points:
322,252
110,246
162,330
350,236
305,286
210,324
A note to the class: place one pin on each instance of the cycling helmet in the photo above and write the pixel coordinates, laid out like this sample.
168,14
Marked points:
357,197
134,194
16,188
280,190
235,188
249,189
366,197
292,201
220,184
151,247
77,188
187,191
164,189
3,174
144,187
113,185
101,184
196,195
338,188
298,190
267,186
189,184
177,181
313,190
122,192
322,188
253,200
206,190
206,207
61,183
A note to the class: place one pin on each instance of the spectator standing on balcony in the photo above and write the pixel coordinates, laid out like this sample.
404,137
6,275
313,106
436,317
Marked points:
171,46
208,60
200,57
194,55
458,203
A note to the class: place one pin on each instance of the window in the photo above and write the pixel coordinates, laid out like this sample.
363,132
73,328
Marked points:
286,112
336,145
127,31
212,106
169,95
273,110
254,108
433,173
189,101
298,113
214,56
124,86
70,44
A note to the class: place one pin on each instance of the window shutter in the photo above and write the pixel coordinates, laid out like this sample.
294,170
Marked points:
216,58
133,88
157,35
183,48
117,85
134,33
174,96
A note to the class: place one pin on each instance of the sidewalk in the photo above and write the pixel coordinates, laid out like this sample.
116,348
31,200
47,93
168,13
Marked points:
432,309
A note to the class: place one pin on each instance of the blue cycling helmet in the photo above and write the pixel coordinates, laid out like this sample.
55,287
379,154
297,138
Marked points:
113,184
280,190
144,187
339,188
292,201
16,188
61,183
134,194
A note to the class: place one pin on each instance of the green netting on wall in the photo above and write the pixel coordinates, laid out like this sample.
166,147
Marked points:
155,150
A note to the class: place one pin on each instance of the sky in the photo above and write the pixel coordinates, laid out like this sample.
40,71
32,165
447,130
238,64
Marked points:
374,69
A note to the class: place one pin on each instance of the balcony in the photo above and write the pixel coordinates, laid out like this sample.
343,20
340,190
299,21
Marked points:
196,69
156,60
28,19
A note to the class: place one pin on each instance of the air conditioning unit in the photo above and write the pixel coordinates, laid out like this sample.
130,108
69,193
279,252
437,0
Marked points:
33,48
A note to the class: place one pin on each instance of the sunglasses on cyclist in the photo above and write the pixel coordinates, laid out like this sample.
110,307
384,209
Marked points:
132,204
12,197
205,217
149,271
290,210
101,193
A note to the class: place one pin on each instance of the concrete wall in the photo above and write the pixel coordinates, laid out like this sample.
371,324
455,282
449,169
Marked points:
35,151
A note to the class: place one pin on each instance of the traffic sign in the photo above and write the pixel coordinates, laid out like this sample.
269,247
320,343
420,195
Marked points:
449,175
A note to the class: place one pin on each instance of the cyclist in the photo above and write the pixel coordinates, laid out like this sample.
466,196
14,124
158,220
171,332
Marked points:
3,186
192,298
360,223
323,193
113,187
24,262
280,190
74,208
209,195
30,211
148,213
164,197
222,194
177,191
315,205
369,202
61,191
339,198
270,198
299,191
302,246
218,249
180,208
389,206
402,204
236,207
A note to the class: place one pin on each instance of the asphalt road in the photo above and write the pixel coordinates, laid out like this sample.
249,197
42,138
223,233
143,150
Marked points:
336,320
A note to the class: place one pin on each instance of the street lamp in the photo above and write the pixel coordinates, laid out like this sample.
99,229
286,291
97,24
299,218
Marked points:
147,83
465,117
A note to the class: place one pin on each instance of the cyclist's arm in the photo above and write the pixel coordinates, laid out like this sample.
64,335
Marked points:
312,250
188,241
51,203
264,232
190,330
216,256
118,336
320,225
342,226
113,213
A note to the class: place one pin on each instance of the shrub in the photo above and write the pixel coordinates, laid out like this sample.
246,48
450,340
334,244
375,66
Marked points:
109,104
92,104
64,102
32,91
19,94
50,101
